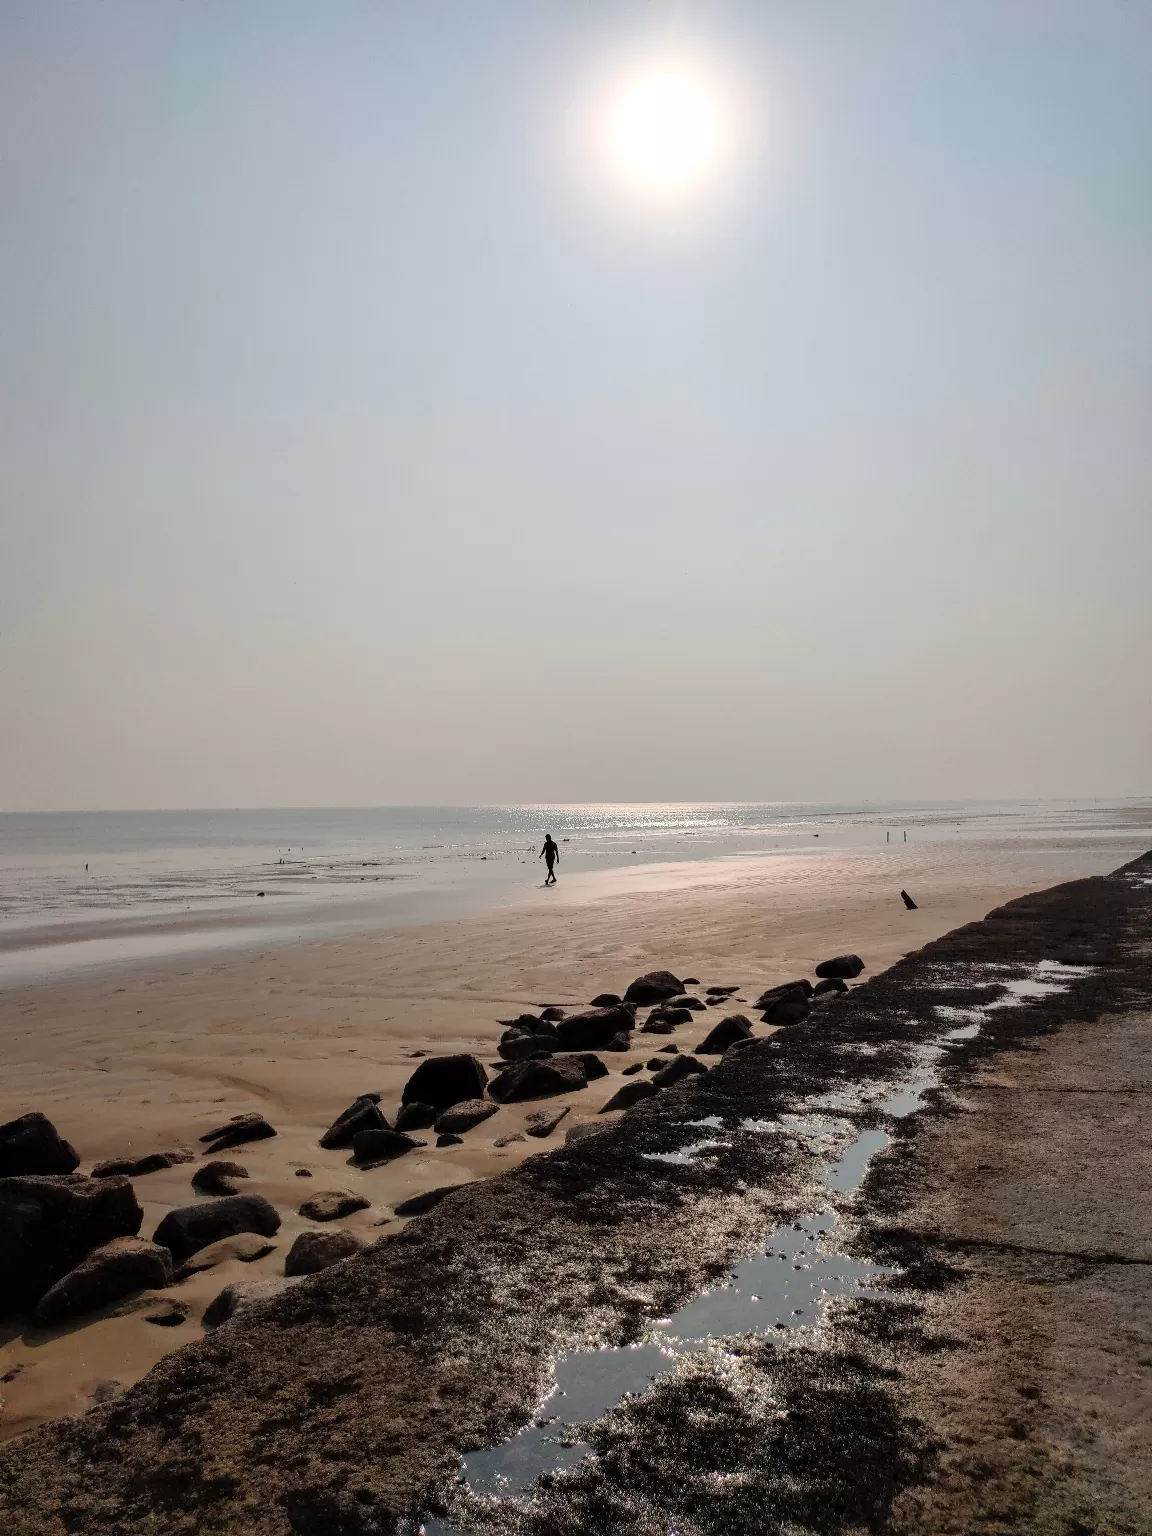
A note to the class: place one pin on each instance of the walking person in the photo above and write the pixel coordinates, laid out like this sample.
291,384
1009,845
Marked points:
549,853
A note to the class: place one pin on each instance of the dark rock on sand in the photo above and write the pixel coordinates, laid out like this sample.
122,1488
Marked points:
720,991
136,1167
654,987
382,1146
303,1173
830,985
314,1251
629,1094
108,1274
542,1122
464,1117
331,1204
506,1141
553,1014
669,1050
605,1000
49,1224
363,1114
216,1178
722,1035
449,1139
801,988
693,1004
847,967
521,1047
169,1314
619,1043
195,1226
31,1145
593,1066
631,1070
907,900
241,1128
539,1079
657,1026
416,1205
593,1029
678,1067
245,1246
792,1008
673,1017
446,1080
416,1116
691,981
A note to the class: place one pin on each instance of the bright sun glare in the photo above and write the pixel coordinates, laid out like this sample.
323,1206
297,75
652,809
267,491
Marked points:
664,127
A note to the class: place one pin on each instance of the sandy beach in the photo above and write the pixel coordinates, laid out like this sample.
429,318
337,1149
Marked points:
126,1061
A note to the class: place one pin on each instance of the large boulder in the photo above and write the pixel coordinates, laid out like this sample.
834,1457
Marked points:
314,1251
446,1080
241,1128
847,967
361,1115
802,986
722,1035
108,1274
216,1177
464,1117
593,1029
791,1008
331,1204
31,1145
191,1227
383,1146
629,1094
49,1224
539,1079
654,987
679,1067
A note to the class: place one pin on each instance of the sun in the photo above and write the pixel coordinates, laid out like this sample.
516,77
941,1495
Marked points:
663,128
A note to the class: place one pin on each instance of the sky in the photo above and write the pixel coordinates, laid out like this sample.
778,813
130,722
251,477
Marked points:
360,444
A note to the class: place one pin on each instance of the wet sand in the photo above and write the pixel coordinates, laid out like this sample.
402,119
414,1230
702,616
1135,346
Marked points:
126,1061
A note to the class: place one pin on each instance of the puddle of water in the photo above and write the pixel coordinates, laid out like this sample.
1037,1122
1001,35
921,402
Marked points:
709,1123
687,1154
847,1175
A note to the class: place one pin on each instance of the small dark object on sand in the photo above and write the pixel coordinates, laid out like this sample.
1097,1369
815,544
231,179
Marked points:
449,1139
847,966
637,1066
691,981
303,1173
907,900
653,987
629,1094
605,1000
215,1178
250,1127
829,984
363,1114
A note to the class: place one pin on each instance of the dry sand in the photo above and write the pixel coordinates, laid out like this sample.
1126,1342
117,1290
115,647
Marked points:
129,1061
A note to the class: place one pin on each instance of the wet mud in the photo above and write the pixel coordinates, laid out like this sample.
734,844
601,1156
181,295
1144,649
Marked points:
398,1391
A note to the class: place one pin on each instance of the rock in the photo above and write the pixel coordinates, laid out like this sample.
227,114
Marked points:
722,1035
314,1251
619,1043
803,987
50,1223
678,1067
245,1246
216,1178
135,1167
654,987
506,1141
848,967
303,1173
653,1064
830,984
170,1314
673,1017
240,1295
908,902
107,1391
466,1116
446,1080
542,1122
522,1047
539,1079
714,1002
552,1014
331,1204
582,1132
605,1000
32,1146
693,1004
593,1029
719,991
630,1071
629,1094
416,1116
449,1140
691,981
113,1168
363,1114
739,1044
593,1066
546,1034
241,1128
416,1205
669,1050
108,1274
191,1227
524,1022
382,1146
657,1027
792,1008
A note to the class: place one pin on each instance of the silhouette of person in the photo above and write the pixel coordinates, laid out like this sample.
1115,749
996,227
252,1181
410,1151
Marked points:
549,853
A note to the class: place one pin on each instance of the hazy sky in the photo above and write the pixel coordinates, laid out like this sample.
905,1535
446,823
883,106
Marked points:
355,451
